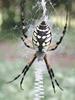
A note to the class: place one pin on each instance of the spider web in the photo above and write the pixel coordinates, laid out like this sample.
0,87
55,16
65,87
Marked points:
31,24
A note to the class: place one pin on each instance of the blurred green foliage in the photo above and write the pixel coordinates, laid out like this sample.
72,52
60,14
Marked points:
10,11
9,17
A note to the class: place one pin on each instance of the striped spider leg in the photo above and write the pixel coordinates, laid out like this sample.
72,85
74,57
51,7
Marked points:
22,16
23,24
51,74
51,48
54,46
24,71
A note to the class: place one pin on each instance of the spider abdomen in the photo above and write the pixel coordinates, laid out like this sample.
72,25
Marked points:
42,37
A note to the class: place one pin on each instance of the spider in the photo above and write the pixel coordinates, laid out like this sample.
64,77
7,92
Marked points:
41,41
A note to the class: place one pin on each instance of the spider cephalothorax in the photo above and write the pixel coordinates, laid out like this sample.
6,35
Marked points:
41,41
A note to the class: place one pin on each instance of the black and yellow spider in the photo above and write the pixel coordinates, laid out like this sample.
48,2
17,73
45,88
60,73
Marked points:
41,40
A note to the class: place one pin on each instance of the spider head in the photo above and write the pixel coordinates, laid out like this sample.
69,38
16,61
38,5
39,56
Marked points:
42,37
43,23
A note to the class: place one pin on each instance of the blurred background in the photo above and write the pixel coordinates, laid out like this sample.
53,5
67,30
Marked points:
14,55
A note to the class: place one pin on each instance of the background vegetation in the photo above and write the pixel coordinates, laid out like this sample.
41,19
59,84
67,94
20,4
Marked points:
14,55
10,11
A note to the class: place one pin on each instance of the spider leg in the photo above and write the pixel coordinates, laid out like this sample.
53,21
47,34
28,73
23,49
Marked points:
27,68
49,71
51,74
23,22
24,71
22,38
17,76
51,80
62,35
55,79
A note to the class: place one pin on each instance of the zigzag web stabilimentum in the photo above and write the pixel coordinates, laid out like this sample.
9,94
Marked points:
39,67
